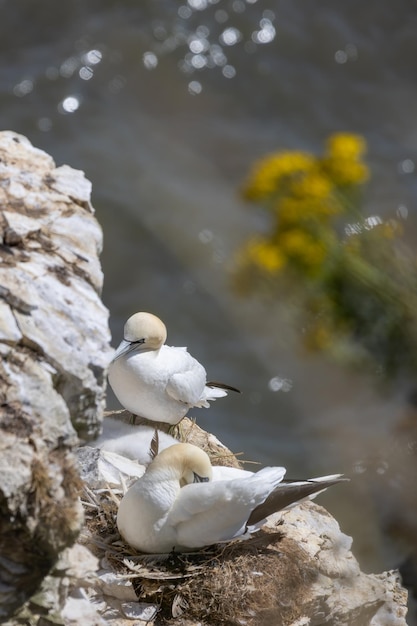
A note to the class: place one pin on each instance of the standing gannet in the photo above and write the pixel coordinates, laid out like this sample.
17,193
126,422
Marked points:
176,505
156,381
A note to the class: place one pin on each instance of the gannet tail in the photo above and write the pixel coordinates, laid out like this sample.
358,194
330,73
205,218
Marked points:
214,384
212,391
291,492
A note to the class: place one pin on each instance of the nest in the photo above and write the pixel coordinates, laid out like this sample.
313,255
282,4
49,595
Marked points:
186,431
257,582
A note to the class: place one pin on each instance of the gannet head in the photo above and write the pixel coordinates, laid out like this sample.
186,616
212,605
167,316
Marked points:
147,329
142,332
188,463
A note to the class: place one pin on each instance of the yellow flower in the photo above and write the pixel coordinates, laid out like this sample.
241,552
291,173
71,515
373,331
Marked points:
312,185
265,255
301,247
345,171
271,172
342,162
293,211
346,146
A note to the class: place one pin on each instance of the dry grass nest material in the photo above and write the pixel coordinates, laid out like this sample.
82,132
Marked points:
258,582
186,431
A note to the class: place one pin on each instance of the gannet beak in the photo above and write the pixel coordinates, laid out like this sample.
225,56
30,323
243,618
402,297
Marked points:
127,346
200,479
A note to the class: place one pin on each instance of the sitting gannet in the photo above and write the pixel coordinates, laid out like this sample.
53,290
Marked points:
176,505
156,381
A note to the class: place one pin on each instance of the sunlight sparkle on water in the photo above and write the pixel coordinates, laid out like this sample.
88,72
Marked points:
359,467
202,31
68,67
198,5
85,72
185,12
198,61
198,45
69,104
194,87
150,60
402,211
229,71
23,88
205,42
340,56
406,167
349,53
280,384
92,57
217,54
206,236
238,6
368,224
230,36
267,32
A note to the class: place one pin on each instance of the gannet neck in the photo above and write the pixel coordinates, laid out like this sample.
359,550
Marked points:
183,461
145,330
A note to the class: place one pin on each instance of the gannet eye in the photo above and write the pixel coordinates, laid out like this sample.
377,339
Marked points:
200,479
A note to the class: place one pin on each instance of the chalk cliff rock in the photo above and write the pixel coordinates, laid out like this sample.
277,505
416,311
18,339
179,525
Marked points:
55,348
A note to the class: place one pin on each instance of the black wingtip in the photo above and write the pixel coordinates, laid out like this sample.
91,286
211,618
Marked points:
223,386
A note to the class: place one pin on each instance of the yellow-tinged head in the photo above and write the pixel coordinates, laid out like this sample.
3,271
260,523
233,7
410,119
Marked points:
147,329
189,463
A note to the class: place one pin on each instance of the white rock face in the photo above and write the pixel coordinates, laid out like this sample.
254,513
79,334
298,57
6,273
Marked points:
50,277
55,349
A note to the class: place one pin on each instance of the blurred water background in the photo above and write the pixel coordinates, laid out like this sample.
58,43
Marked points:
164,105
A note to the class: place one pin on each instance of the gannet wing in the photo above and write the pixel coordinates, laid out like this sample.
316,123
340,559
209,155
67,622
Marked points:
186,386
217,511
208,515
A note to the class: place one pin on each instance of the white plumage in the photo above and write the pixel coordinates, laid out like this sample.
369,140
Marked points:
155,381
132,442
176,504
